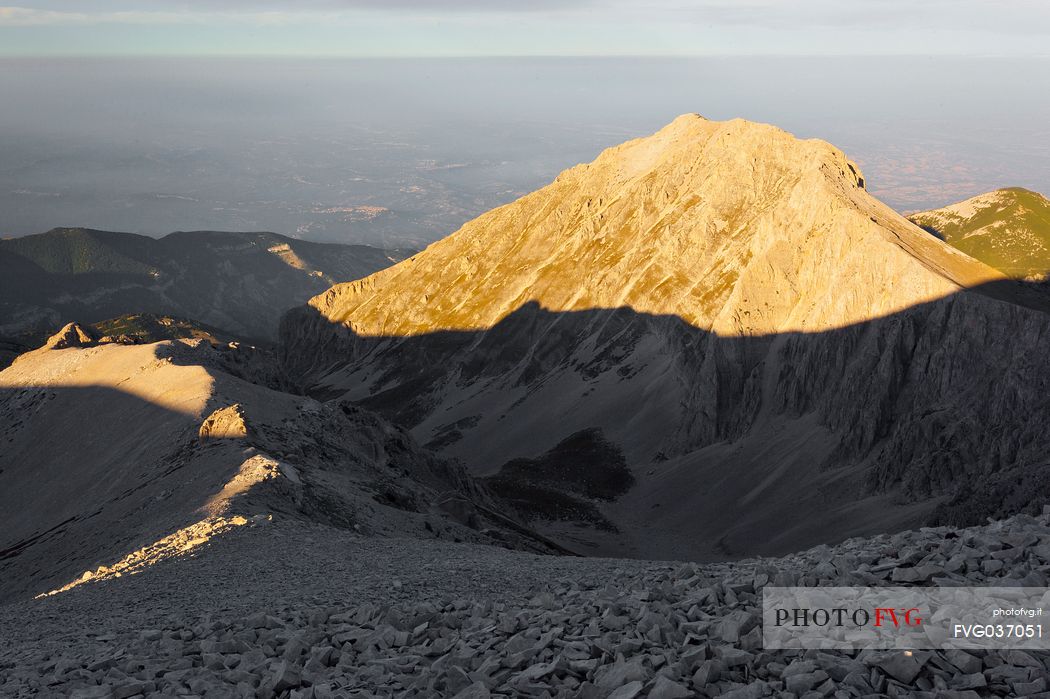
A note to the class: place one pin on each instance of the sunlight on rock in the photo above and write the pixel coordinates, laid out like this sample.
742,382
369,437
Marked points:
255,470
738,228
224,423
178,544
158,378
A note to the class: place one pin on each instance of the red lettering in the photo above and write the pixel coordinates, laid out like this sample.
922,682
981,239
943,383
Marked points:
879,611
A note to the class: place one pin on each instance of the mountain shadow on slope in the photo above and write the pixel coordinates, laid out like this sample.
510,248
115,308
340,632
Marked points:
766,444
562,483
92,473
1017,491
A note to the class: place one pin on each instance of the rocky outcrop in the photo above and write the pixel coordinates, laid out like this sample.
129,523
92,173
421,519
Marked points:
72,335
778,354
224,423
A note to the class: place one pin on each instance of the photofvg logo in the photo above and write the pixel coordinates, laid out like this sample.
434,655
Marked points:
853,618
842,617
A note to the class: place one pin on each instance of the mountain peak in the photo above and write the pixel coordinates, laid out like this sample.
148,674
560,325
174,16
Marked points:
736,227
720,308
688,136
690,121
71,335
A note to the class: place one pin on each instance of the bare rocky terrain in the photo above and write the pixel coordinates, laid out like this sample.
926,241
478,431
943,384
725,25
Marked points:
118,455
774,353
710,345
290,609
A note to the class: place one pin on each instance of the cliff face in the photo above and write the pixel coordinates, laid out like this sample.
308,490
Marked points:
781,358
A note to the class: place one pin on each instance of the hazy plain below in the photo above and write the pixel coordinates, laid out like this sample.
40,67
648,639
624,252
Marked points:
401,152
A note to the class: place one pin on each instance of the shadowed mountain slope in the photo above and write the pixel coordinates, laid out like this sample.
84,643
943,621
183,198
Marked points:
117,456
780,358
1008,229
240,282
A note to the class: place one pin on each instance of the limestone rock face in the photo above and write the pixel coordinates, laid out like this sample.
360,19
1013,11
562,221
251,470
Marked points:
224,423
1008,229
780,357
734,227
71,335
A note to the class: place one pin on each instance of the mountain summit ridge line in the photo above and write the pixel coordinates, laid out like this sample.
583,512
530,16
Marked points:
652,225
776,353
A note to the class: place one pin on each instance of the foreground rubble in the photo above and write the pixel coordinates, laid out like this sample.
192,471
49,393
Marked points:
325,614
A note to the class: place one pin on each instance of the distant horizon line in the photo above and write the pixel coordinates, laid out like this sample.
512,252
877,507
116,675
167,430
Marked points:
523,56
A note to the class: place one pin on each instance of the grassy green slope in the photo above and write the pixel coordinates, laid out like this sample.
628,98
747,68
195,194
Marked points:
148,327
239,282
82,251
1008,229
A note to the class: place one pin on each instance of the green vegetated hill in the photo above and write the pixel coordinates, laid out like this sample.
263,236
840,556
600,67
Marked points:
1008,229
142,328
83,251
237,282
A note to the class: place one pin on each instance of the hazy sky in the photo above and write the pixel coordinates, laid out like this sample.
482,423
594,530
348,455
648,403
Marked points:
309,117
526,27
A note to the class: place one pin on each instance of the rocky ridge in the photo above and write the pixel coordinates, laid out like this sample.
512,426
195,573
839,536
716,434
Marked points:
706,298
127,454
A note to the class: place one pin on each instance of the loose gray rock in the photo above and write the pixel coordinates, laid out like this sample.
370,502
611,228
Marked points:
492,623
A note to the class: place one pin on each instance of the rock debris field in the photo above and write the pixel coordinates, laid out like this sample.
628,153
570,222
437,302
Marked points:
295,610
